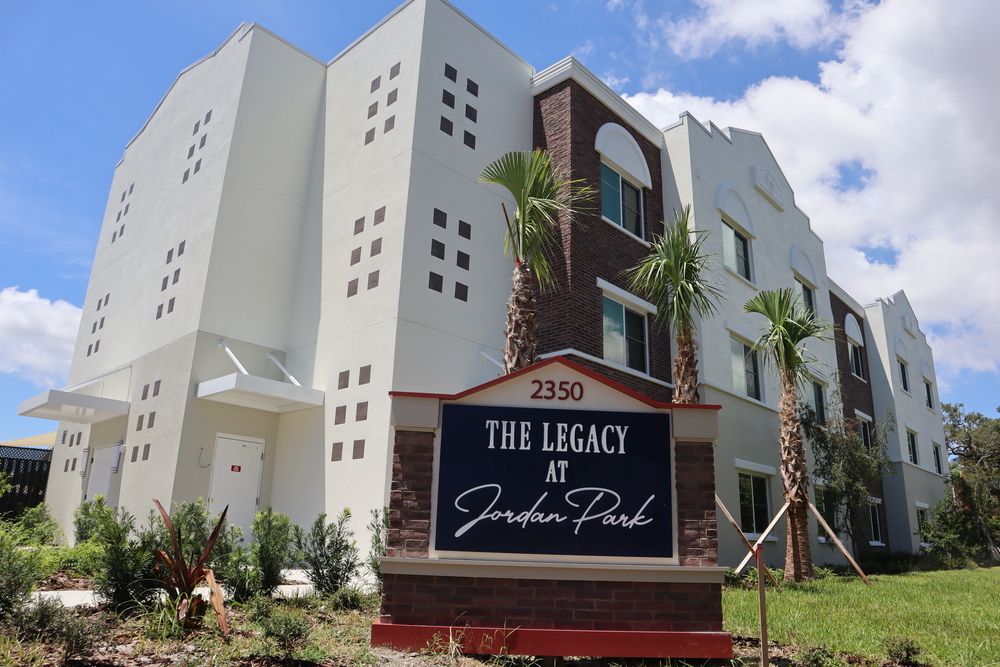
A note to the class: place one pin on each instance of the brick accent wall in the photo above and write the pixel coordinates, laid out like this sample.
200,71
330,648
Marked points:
534,603
566,121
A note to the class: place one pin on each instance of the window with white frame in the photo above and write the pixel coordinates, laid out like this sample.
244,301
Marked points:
816,398
865,433
754,512
807,295
904,375
621,201
855,345
928,395
921,523
736,251
746,369
938,461
911,444
875,525
856,366
624,335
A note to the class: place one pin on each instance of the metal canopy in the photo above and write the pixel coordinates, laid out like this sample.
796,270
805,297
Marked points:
71,407
251,391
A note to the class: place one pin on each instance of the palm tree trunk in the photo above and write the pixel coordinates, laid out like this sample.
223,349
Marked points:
686,370
795,477
522,321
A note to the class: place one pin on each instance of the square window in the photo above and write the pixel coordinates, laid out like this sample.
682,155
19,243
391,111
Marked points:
472,87
101,325
337,451
97,346
121,231
180,248
624,335
197,125
114,236
132,187
125,212
754,512
464,229
376,82
361,411
365,374
152,418
135,453
447,126
391,98
394,71
187,174
355,256
448,98
359,449
746,369
450,72
344,379
352,288
462,260
123,196
373,280
379,215
93,329
166,281
191,152
145,392
471,113
208,116
156,388
461,292
376,247
440,218
340,414
469,140
372,109
204,138
72,467
145,452
369,136
138,423
197,166
170,255
99,302
66,466
170,305
437,249
177,276
736,251
106,297
119,216
359,225
159,311
436,282
90,349
390,123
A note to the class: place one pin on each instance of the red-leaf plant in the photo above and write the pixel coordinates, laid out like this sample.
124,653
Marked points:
180,579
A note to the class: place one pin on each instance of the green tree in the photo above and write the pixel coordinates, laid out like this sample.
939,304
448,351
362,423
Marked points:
672,277
541,194
789,324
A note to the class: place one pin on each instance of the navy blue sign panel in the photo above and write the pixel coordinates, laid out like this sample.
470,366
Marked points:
566,482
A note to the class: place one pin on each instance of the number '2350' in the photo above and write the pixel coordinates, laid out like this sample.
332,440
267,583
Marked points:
547,390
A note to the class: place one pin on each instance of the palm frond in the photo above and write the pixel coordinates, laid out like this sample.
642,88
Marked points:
789,323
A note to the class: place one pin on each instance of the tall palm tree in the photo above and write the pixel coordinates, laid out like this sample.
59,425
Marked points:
541,193
789,323
672,278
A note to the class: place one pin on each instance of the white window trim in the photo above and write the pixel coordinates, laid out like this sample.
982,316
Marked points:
746,340
566,352
861,415
625,298
627,232
920,505
750,466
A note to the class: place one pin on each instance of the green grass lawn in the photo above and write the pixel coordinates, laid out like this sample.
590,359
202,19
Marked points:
953,616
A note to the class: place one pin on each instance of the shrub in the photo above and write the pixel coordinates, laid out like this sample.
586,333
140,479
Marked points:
379,529
20,568
85,518
903,650
125,576
272,549
328,552
47,619
286,628
39,527
820,656
194,526
348,598
83,559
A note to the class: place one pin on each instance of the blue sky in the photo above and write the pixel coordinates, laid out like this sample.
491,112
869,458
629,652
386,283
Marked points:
881,125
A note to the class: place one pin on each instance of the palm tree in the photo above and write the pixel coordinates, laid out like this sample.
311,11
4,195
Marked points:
789,323
671,278
540,194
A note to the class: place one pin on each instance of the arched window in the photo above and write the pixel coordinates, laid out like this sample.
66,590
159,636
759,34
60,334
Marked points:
624,174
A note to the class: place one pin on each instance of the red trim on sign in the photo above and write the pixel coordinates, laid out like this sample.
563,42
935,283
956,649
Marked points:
529,641
593,375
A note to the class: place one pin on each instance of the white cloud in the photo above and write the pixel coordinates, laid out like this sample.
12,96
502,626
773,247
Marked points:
911,97
37,336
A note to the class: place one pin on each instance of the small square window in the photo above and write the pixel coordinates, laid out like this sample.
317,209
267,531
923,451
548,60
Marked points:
391,98
450,72
340,414
123,196
379,215
352,288
114,236
93,329
376,82
106,297
145,452
369,136
191,152
170,255
187,174
197,166
437,249
359,225
177,276
180,248
436,282
197,126
145,392
355,256
135,453
461,292
99,302
138,423
132,187
440,218
101,325
152,418
365,374
361,412
376,247
170,305
471,113
472,87
372,109
448,98
462,259
343,379
337,451
119,216
464,229
97,346
390,123
204,138
447,126
90,349
65,433
66,466
373,280
166,281
159,311
121,231
156,388
394,71
208,116
125,212
359,449
470,140
73,466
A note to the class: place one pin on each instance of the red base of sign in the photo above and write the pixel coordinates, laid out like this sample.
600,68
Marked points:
544,642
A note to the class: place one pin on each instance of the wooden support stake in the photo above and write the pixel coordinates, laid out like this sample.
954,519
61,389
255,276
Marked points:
762,598
743,537
833,536
764,536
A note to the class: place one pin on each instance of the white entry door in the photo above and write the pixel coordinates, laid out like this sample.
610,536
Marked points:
236,480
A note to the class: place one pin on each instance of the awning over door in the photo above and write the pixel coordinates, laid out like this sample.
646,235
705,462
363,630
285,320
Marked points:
72,407
251,391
